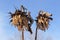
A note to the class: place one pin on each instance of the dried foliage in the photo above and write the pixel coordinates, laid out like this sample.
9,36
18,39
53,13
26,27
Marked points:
22,19
43,20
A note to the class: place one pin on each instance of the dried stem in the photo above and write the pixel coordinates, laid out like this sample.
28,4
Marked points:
22,34
36,34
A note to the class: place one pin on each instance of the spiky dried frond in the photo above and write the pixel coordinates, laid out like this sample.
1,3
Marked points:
20,19
43,20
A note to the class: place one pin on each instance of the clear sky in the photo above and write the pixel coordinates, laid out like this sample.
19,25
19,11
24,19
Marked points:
9,32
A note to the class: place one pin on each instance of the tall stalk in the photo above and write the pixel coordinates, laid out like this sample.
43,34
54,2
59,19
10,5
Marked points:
36,34
22,34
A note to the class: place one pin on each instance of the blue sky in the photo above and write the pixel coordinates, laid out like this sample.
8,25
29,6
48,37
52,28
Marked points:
9,32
